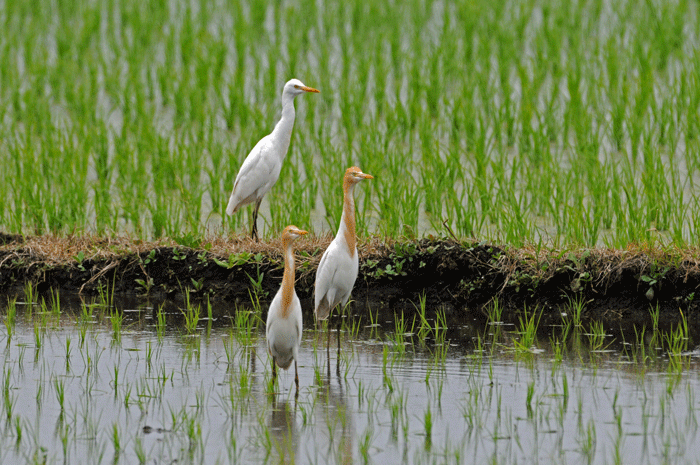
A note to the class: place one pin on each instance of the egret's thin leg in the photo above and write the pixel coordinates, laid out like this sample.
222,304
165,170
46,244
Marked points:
337,362
274,372
254,232
296,379
328,341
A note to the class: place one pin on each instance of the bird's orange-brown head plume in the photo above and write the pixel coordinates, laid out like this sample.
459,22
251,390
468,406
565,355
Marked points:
354,175
292,232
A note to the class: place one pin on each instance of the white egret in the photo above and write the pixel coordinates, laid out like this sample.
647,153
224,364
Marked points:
261,168
284,324
339,264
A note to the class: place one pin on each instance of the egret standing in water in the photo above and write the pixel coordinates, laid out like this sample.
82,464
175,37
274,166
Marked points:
283,329
339,264
262,166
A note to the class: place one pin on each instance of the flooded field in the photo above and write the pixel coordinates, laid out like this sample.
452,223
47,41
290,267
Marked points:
132,382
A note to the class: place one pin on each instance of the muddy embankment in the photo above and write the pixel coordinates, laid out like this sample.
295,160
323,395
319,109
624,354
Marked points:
460,277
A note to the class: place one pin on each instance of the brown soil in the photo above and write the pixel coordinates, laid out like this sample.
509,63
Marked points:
457,276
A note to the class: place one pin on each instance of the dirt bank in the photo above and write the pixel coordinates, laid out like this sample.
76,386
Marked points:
458,276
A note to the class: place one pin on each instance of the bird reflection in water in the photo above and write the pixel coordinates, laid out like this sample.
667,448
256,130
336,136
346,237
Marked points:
331,429
335,427
283,429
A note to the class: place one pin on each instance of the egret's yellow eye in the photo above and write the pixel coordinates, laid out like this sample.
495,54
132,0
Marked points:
296,86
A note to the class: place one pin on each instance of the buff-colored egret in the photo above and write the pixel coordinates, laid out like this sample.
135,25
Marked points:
283,328
339,264
262,166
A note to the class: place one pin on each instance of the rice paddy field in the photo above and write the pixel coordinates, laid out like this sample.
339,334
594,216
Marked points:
518,121
118,381
546,127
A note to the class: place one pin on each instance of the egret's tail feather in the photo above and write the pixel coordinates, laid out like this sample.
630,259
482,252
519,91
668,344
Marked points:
322,310
231,207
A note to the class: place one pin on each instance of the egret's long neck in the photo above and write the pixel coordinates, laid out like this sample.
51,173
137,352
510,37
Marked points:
287,278
347,220
283,128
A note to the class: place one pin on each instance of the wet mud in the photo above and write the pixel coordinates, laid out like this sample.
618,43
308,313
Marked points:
457,277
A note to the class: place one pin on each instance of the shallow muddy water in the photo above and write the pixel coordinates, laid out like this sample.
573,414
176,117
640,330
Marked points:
76,385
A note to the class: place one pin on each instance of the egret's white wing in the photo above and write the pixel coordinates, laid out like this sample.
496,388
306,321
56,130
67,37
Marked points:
256,176
335,278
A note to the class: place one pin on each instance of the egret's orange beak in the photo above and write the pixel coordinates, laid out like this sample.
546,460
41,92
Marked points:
310,89
367,176
301,232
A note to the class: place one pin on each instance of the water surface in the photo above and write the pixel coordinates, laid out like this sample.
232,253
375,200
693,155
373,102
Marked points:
73,389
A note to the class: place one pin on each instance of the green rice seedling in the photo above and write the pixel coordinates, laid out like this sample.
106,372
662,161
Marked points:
55,302
440,351
10,317
38,336
18,431
494,312
566,330
68,351
29,295
20,360
428,427
557,348
528,330
440,329
655,337
139,450
373,325
587,441
366,440
44,313
115,380
149,354
210,311
639,349
8,398
386,370
116,440
528,401
575,309
82,332
106,295
519,141
354,329
596,336
246,323
160,322
127,395
86,311
60,389
677,343
424,327
191,314
401,330
116,318
228,348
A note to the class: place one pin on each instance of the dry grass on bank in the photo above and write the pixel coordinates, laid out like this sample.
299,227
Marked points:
604,265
